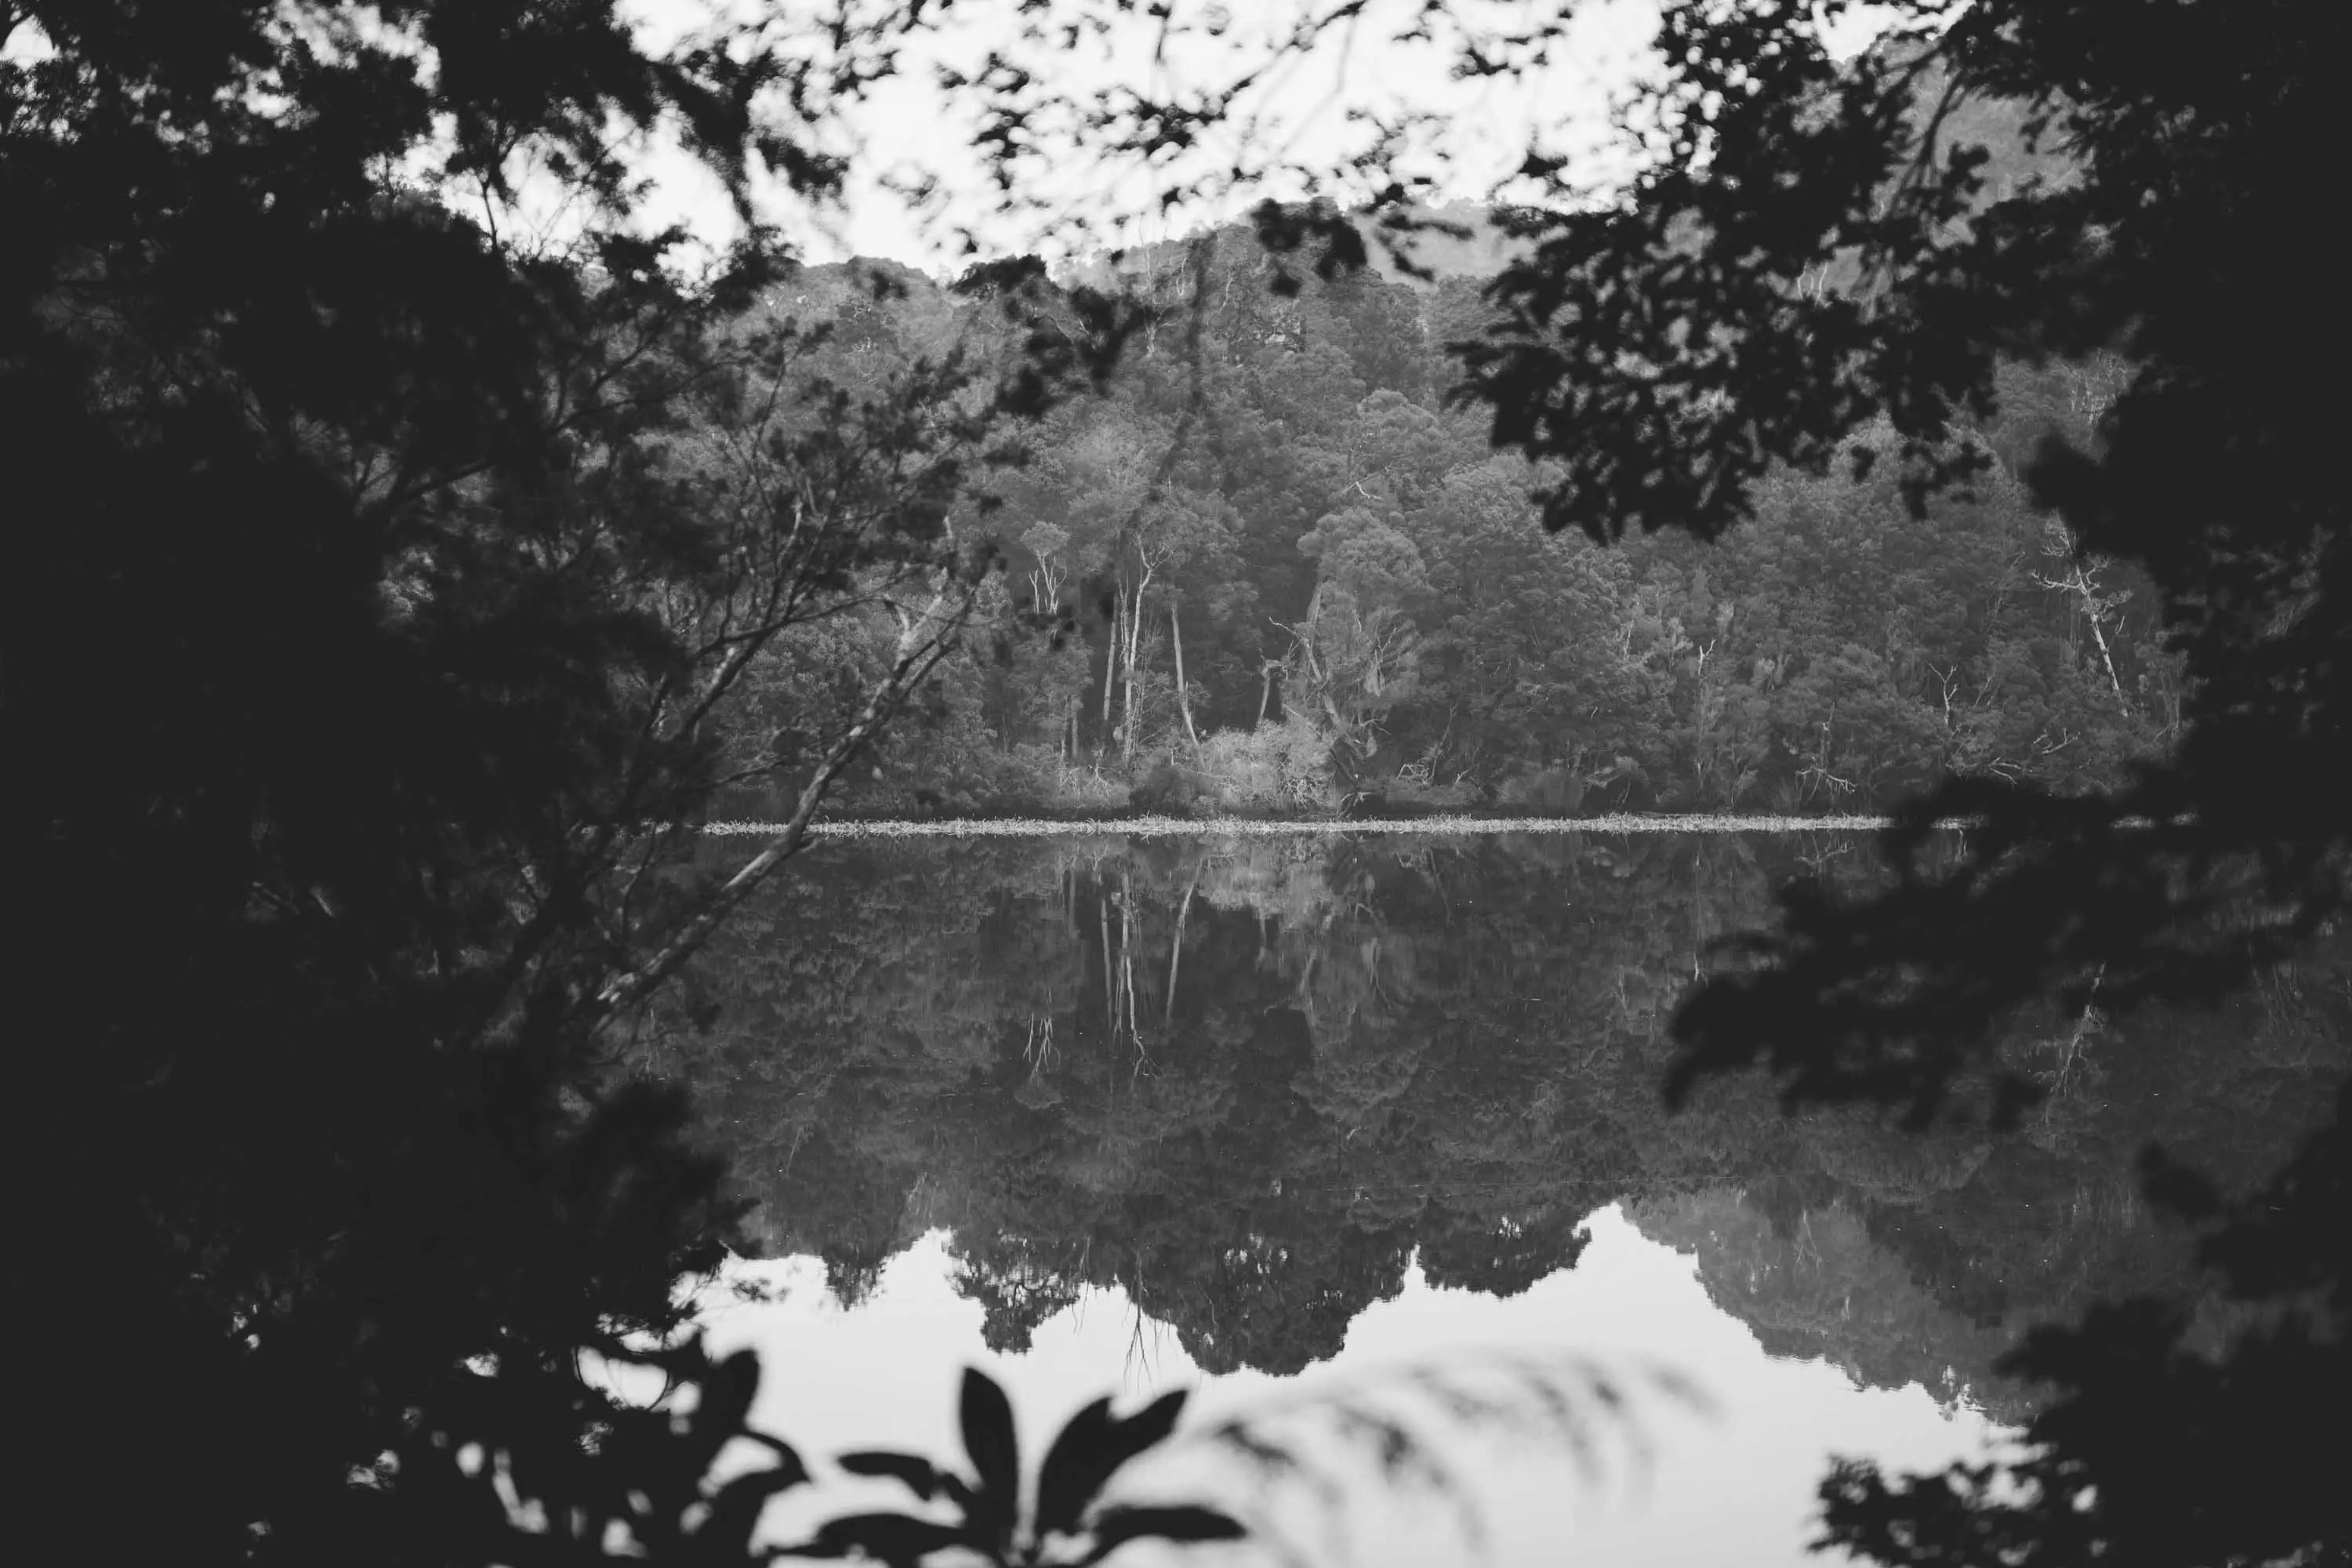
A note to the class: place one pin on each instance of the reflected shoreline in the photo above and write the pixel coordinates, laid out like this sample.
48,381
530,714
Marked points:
1267,828
1245,1075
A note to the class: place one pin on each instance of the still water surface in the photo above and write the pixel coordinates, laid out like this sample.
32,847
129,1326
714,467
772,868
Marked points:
1284,1122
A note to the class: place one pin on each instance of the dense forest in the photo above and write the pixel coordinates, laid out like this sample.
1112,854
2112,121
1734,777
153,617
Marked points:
1247,1081
1271,569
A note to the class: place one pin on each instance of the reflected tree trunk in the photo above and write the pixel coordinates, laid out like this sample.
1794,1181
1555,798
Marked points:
1176,948
1110,986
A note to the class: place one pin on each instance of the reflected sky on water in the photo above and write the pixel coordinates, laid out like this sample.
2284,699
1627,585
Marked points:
1732,1484
1274,1120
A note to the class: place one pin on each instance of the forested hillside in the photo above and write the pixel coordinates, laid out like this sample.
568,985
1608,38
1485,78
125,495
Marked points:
1272,569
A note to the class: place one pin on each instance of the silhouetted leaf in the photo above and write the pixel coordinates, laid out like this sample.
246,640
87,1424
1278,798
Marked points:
995,1450
919,1476
735,1511
1069,1478
894,1538
1090,1448
1181,1524
728,1390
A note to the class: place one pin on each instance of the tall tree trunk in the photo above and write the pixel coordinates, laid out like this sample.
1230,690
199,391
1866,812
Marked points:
1110,660
2091,613
1134,631
1341,730
1183,701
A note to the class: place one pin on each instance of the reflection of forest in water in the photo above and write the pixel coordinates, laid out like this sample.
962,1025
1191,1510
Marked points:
1249,1082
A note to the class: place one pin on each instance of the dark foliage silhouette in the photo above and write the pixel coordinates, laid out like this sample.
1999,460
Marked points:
379,570
1823,244
1069,1523
1414,1428
517,1483
2154,1450
1668,353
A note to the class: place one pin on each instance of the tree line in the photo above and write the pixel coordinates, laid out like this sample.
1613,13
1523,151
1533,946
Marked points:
1272,568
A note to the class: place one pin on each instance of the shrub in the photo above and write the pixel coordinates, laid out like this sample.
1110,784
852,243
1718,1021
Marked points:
1278,766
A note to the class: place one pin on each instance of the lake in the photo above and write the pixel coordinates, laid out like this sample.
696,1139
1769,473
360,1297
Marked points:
1355,1133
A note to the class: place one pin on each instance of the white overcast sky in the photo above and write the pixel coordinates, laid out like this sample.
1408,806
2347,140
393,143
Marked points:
1302,116
908,124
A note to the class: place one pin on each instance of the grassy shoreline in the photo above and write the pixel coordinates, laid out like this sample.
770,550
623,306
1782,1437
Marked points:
1266,827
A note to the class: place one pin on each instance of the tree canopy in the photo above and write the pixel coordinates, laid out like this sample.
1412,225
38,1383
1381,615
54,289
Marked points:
1671,350
379,567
